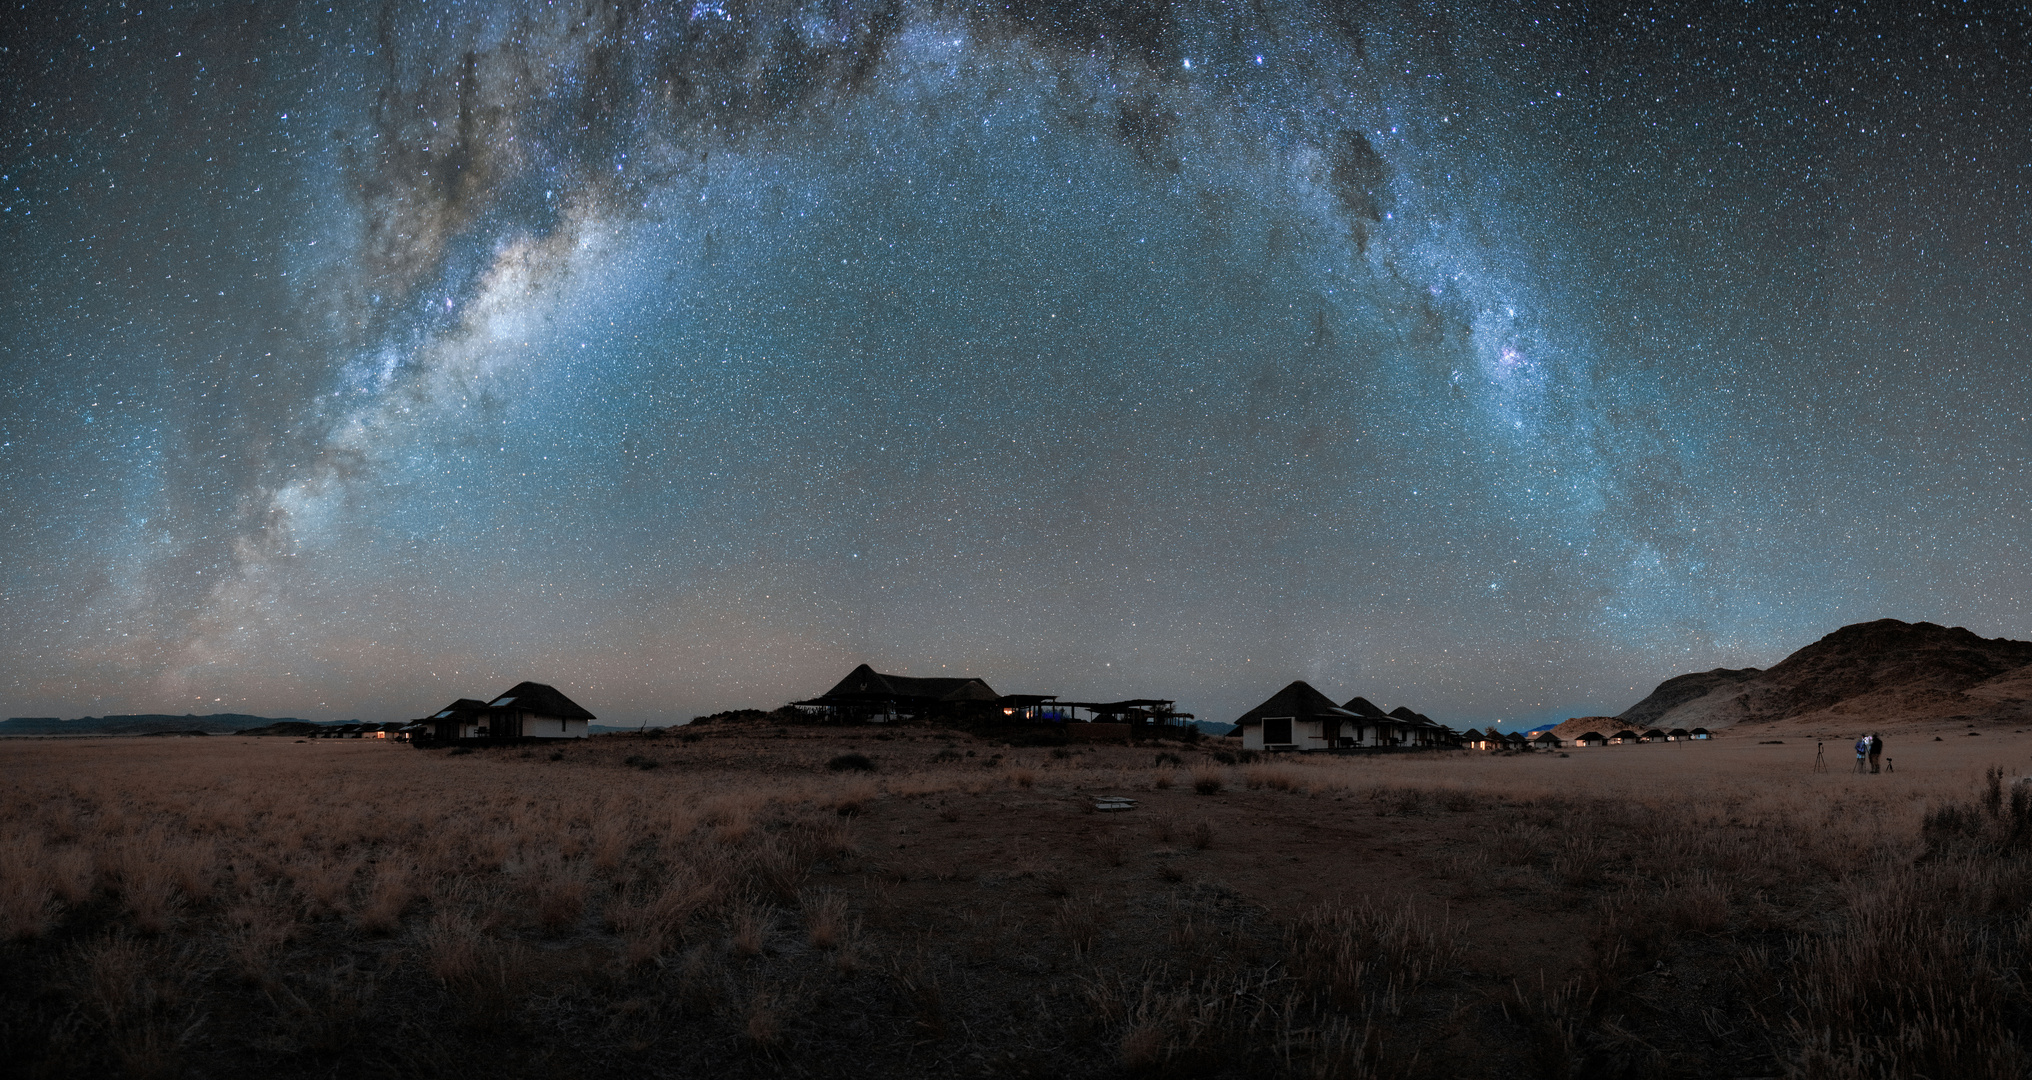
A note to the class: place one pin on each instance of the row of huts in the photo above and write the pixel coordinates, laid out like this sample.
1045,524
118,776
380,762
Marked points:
1546,740
1622,738
1299,717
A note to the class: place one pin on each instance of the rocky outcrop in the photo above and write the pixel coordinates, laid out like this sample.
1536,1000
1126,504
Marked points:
1869,673
1675,692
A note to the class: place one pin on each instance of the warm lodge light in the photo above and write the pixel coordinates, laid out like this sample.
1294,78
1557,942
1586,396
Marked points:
1008,712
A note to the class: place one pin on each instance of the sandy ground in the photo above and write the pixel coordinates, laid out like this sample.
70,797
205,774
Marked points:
978,846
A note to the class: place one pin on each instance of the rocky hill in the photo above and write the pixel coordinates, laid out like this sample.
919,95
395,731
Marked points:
1882,672
1674,692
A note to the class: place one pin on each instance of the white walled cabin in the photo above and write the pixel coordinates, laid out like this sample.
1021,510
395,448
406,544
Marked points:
1327,733
528,711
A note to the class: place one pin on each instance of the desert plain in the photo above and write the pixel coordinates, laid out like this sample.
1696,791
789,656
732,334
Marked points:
751,900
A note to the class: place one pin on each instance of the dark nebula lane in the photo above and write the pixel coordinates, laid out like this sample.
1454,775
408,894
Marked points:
1500,361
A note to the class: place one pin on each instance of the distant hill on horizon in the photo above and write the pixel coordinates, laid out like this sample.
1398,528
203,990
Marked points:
147,724
1879,672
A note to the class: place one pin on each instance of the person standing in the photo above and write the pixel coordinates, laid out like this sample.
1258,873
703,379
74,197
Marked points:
1876,750
1862,751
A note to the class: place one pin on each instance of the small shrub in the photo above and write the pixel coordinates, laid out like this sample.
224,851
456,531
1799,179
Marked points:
636,760
462,751
855,800
1274,777
1207,780
851,763
1201,834
1167,758
1023,776
1060,753
1457,801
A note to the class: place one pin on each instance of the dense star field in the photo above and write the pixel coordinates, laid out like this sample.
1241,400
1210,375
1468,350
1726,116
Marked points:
1497,362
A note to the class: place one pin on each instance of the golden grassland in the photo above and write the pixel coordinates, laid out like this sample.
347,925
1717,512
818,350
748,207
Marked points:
751,902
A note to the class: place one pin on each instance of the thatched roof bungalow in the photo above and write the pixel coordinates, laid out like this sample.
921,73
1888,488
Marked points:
1592,738
1297,717
529,710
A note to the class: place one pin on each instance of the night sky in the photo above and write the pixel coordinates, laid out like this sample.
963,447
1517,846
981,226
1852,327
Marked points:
1500,363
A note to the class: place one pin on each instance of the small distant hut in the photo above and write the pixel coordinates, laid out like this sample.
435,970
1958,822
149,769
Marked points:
1592,738
459,720
1621,738
1517,740
1700,733
1376,727
1546,740
1482,740
1678,733
1653,735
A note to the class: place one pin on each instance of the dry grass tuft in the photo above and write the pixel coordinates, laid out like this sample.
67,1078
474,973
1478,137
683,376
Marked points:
1208,779
825,919
1367,959
1274,777
1079,919
748,927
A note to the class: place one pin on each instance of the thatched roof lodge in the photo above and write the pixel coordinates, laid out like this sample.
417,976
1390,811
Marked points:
869,695
1592,738
1623,737
1546,740
1653,735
